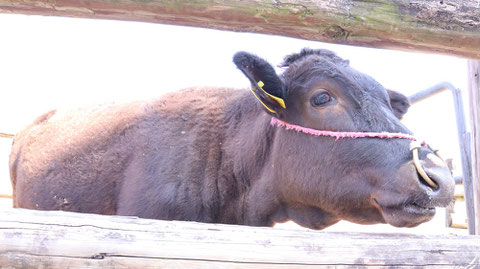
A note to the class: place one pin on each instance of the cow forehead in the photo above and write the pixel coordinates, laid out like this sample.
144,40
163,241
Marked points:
351,82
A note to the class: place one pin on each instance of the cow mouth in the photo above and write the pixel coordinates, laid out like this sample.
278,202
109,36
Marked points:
407,215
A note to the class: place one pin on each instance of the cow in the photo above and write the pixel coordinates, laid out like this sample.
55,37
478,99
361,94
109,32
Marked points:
232,156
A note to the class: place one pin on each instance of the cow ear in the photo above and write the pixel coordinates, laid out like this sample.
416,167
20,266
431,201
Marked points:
399,103
266,85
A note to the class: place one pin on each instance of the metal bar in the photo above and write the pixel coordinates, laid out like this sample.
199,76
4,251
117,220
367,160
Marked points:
463,141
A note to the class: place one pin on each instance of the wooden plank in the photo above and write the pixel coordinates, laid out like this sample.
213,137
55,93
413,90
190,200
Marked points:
40,239
447,26
474,94
5,135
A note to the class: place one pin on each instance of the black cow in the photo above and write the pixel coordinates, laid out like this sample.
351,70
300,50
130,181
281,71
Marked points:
213,155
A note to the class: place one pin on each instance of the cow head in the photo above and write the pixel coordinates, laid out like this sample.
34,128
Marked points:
320,180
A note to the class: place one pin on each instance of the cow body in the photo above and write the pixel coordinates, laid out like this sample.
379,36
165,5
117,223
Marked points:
211,155
140,156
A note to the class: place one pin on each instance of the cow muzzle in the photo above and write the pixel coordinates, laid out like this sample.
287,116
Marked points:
429,184
433,172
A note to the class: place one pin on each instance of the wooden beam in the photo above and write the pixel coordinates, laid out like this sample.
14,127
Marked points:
5,135
446,26
474,94
40,239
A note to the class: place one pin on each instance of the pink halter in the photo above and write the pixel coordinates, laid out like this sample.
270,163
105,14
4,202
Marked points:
338,135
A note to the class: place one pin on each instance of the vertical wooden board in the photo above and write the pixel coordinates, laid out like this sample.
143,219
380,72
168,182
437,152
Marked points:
474,94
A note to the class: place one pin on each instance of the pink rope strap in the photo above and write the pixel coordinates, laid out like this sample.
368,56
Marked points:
338,135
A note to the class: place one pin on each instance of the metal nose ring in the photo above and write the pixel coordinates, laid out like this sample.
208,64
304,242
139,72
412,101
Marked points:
414,146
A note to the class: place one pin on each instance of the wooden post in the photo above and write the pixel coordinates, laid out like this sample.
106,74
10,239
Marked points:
474,94
53,239
446,26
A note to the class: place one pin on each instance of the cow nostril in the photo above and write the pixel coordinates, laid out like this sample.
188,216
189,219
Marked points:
426,184
414,147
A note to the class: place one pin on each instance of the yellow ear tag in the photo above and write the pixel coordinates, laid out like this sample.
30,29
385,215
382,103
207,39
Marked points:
278,99
253,91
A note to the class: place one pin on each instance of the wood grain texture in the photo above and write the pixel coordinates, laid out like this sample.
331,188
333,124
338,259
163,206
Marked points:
5,135
39,239
474,97
446,26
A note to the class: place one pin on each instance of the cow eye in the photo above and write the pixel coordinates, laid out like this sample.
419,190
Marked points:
320,99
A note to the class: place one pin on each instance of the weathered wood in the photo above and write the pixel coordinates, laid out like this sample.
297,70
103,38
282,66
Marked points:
5,135
474,94
38,239
446,26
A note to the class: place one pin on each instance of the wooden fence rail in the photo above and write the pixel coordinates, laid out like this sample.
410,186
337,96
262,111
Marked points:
5,135
447,26
39,239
